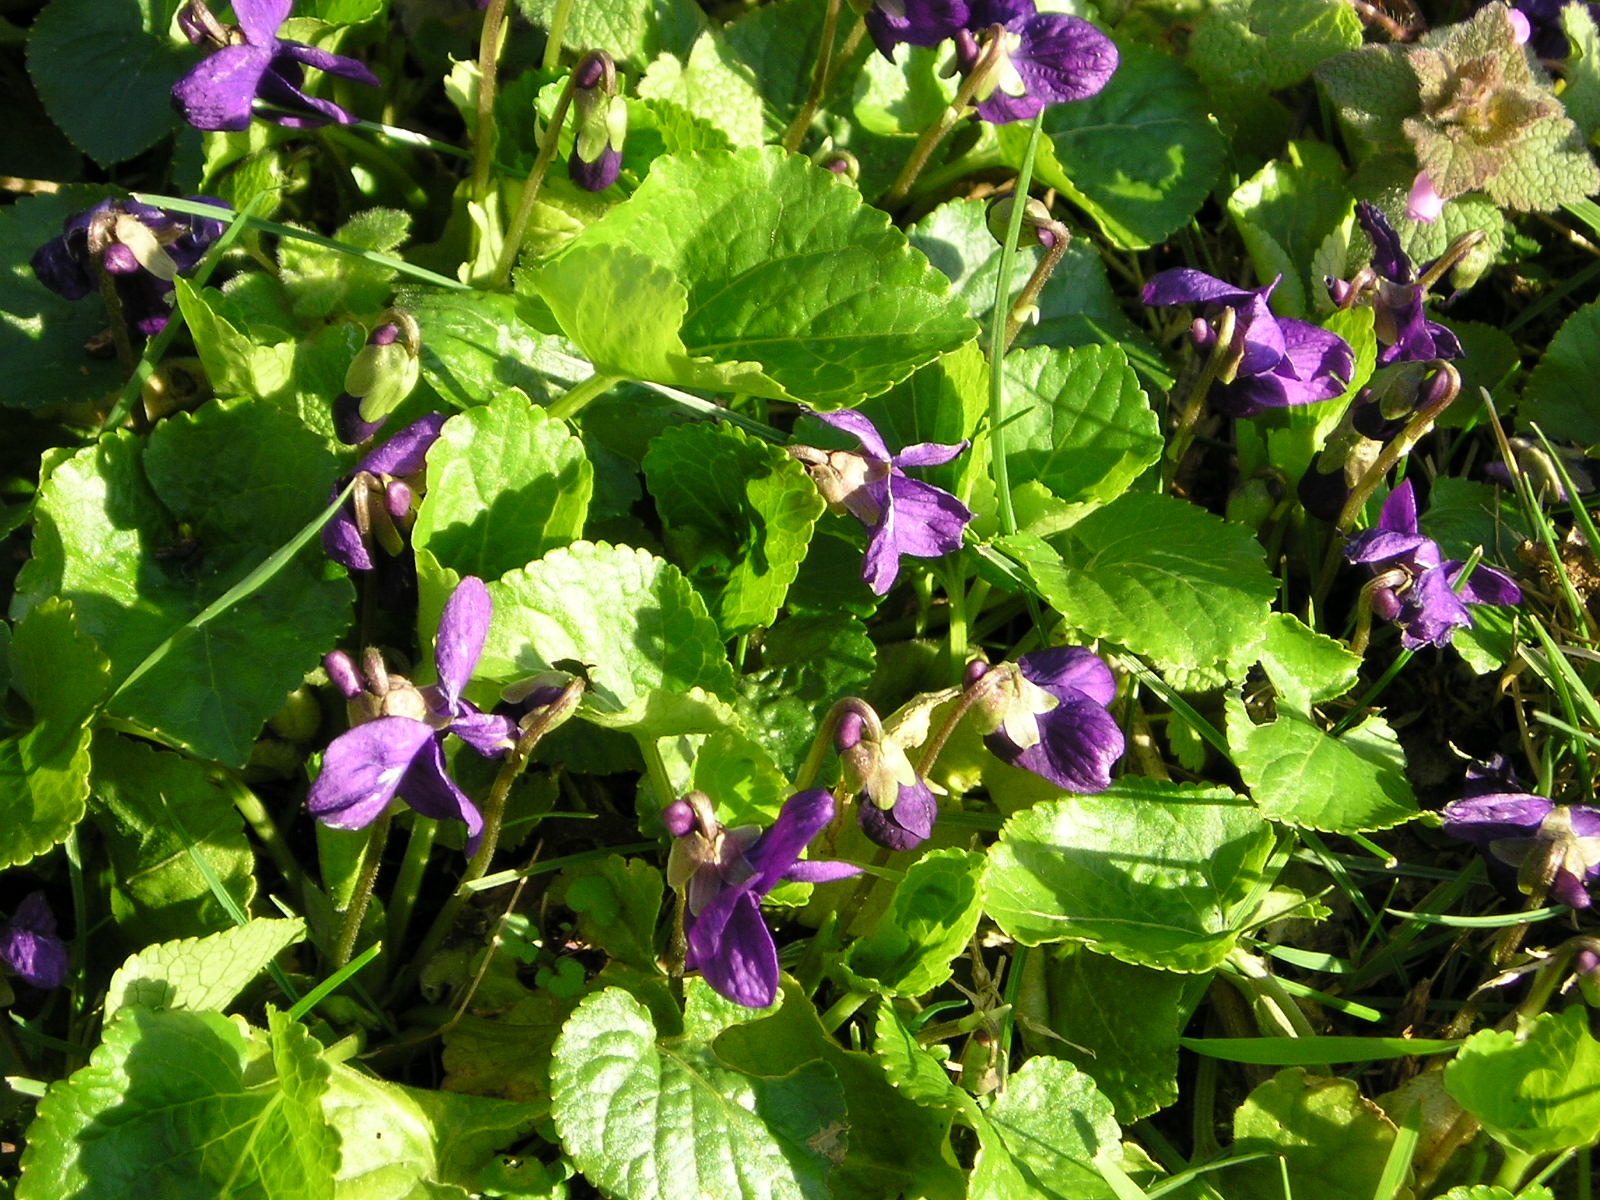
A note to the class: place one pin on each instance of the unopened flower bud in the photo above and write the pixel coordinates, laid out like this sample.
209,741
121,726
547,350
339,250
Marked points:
119,259
397,499
380,377
600,122
1037,224
975,670
342,673
678,817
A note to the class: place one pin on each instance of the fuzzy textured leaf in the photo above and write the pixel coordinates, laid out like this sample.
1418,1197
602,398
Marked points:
200,974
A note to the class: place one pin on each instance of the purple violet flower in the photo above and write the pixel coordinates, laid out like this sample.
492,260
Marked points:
1390,282
400,747
895,808
29,945
252,63
1047,714
1417,591
902,515
599,122
1532,841
380,506
142,248
914,22
1269,362
1044,58
1546,38
725,873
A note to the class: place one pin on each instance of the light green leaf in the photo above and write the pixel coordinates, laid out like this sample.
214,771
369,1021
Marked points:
741,779
1285,212
477,345
322,281
1146,872
808,662
200,974
45,771
1073,1004
1140,157
506,485
1536,1089
631,618
1302,776
105,73
1581,96
1157,575
1555,395
1079,423
181,1104
156,811
713,85
1056,1123
753,271
1306,667
1265,45
618,902
235,363
657,1119
929,922
631,31
1549,165
738,516
1332,1141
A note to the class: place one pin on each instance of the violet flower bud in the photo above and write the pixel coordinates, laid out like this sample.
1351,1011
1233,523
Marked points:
600,123
896,808
380,377
342,673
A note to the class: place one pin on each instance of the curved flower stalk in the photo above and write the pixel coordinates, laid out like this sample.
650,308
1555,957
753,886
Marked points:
380,508
29,947
252,63
141,249
896,809
397,746
902,515
1261,361
1414,585
723,875
1046,713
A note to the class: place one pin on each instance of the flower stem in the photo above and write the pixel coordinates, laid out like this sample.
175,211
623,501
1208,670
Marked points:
581,394
818,754
489,44
558,31
371,860
270,836
940,129
530,189
1194,403
843,1009
403,896
1028,297
795,134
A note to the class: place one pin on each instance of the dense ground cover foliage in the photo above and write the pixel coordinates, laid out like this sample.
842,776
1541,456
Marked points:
597,605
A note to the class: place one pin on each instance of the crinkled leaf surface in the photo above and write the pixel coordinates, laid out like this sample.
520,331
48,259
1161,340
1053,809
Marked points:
738,516
1139,157
631,31
713,85
618,902
929,922
179,1104
1129,1050
808,662
650,1117
1303,776
632,619
1056,1123
476,345
1157,575
1332,1141
105,70
752,271
1536,1088
157,812
1146,872
200,974
1269,44
506,485
41,332
113,535
45,770
1284,213
1080,424
321,281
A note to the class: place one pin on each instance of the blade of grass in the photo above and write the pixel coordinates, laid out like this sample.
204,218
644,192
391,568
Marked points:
1397,1167
1495,921
312,998
1315,1051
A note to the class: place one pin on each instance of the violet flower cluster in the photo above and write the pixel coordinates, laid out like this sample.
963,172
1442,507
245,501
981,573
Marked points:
723,875
141,249
1415,585
1266,361
380,508
1530,843
1390,285
1043,58
249,63
397,745
896,809
29,946
1047,714
902,515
